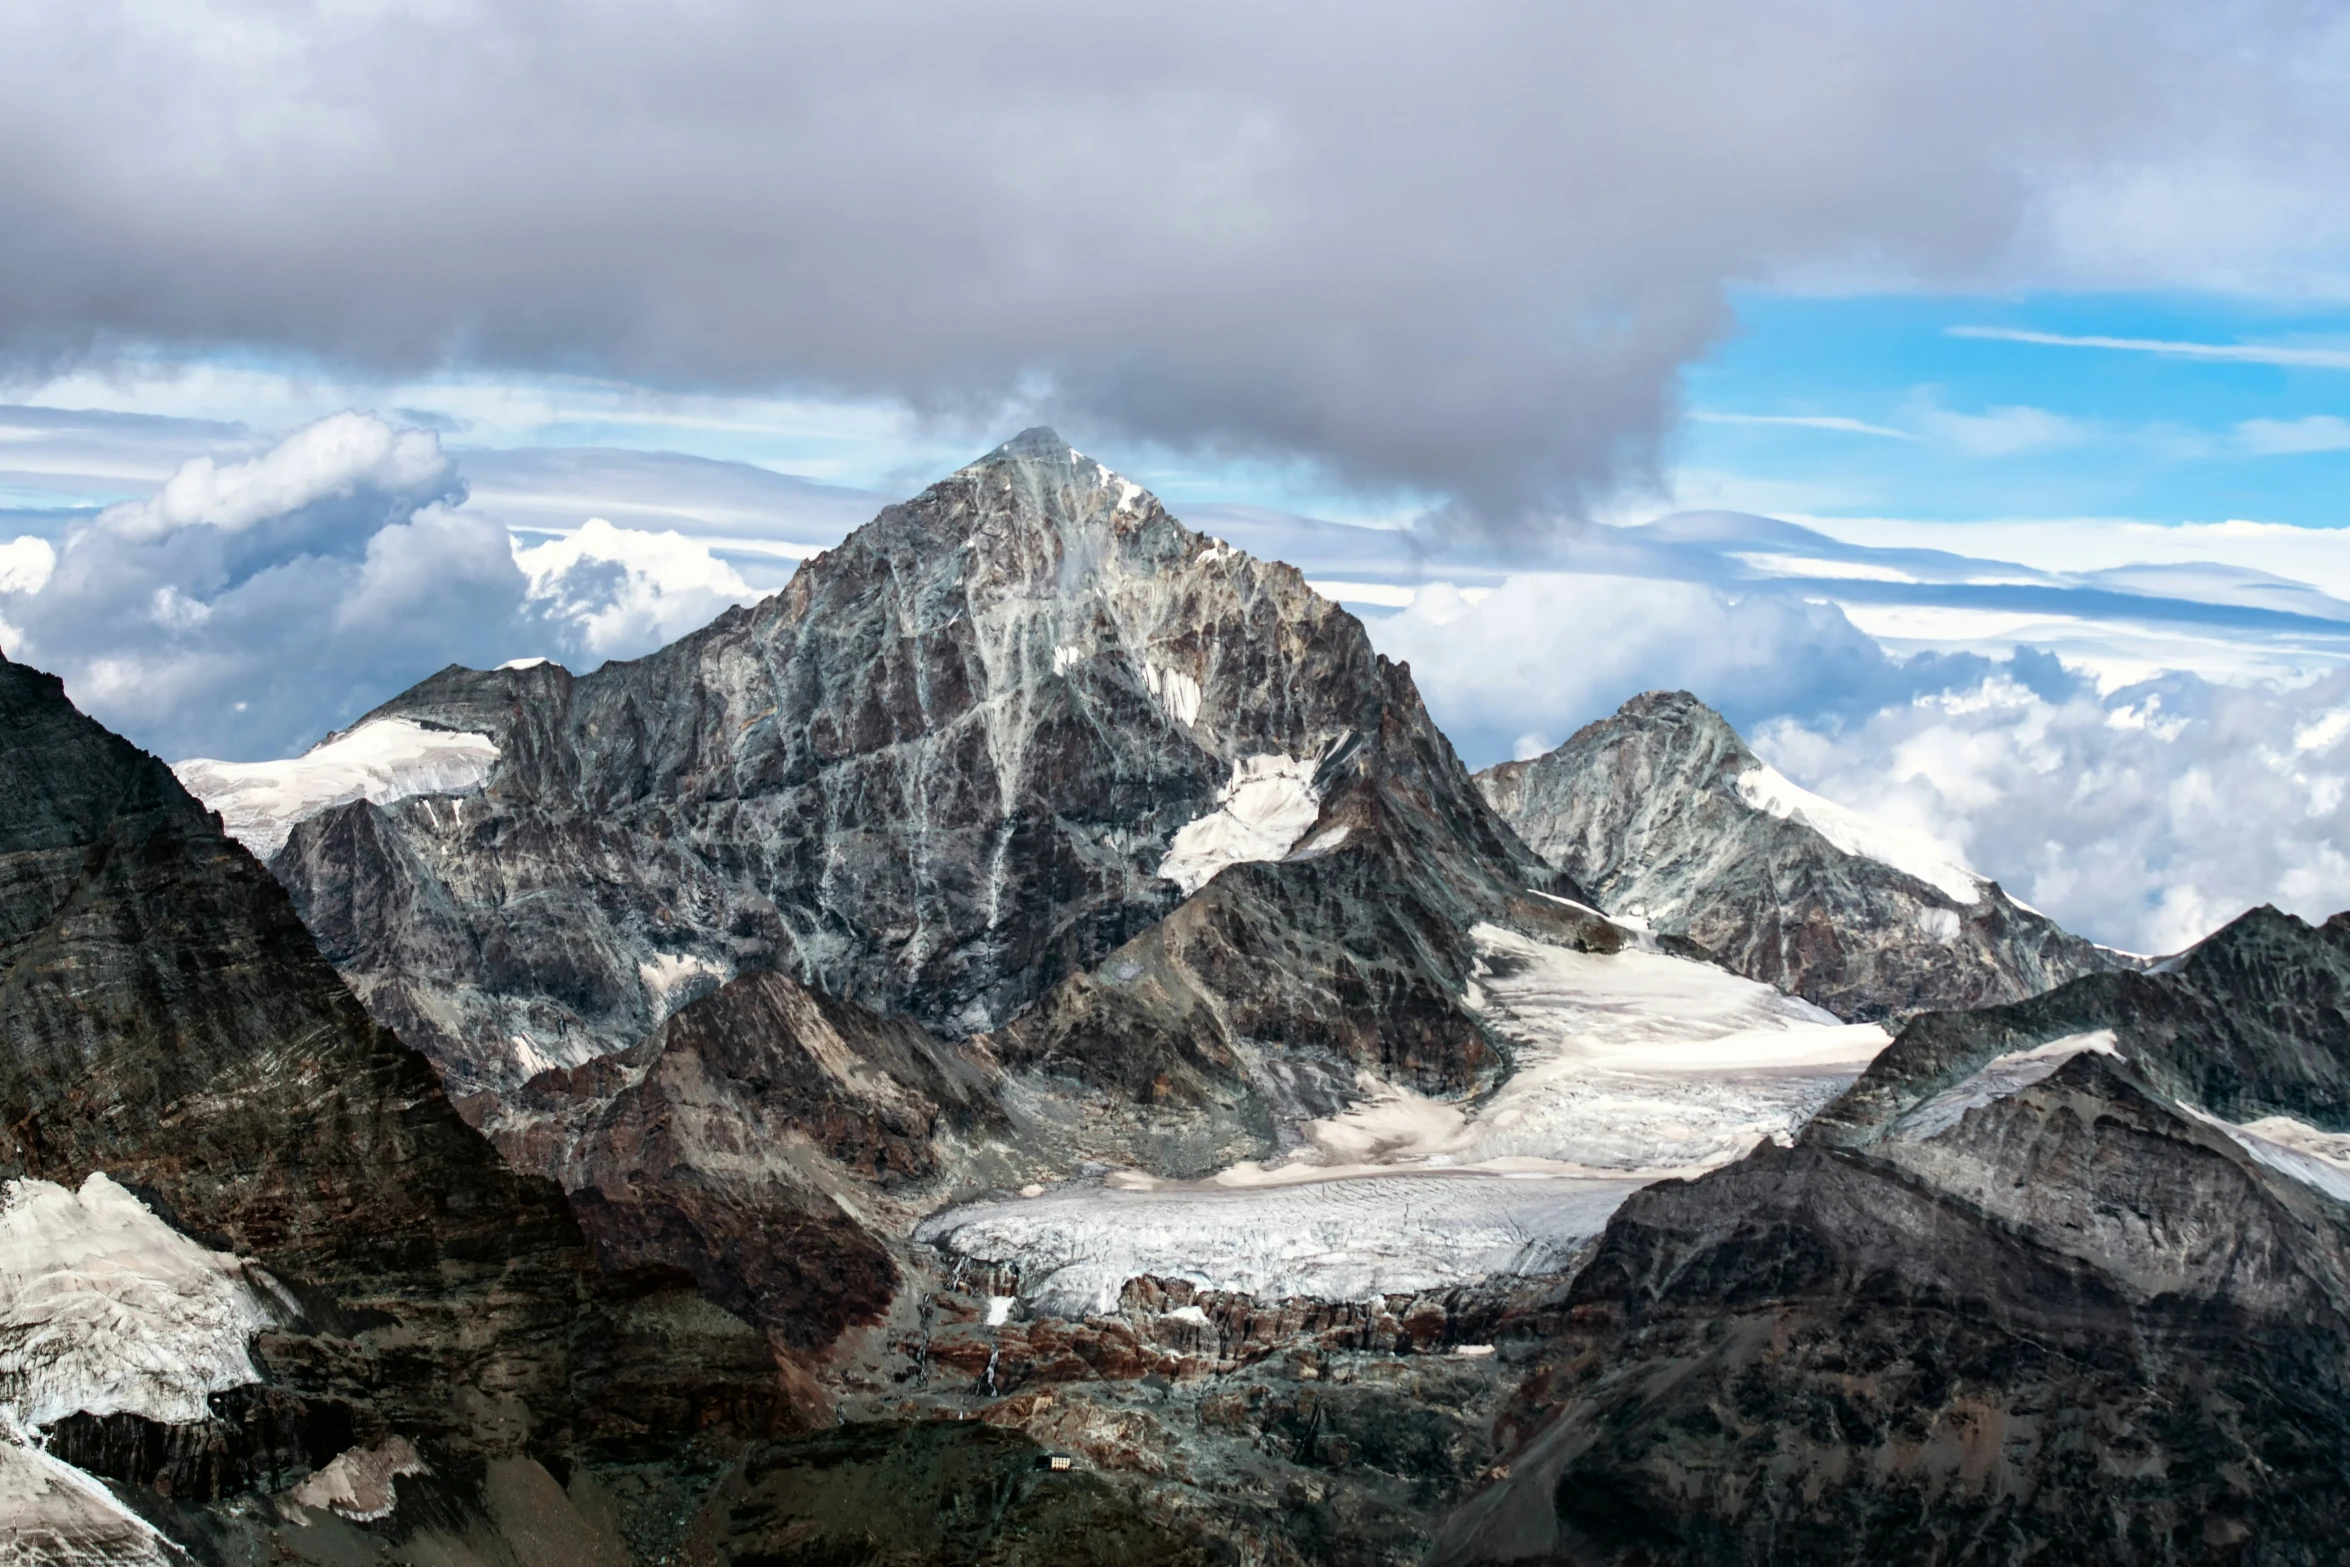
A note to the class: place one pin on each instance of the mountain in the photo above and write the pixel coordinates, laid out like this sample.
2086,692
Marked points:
2061,1280
214,1152
1663,812
1023,758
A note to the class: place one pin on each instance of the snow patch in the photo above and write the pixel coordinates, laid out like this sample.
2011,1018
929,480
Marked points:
999,1309
383,760
2001,1076
358,1485
104,1308
525,663
1268,804
2319,1160
667,975
1913,854
1177,692
1066,658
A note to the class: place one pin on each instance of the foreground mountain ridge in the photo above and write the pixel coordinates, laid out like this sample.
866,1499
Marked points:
1666,815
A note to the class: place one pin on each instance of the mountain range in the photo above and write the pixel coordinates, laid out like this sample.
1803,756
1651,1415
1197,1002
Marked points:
1029,1045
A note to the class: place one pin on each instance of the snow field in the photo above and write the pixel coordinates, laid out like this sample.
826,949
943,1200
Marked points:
1913,854
1261,812
383,760
1629,1067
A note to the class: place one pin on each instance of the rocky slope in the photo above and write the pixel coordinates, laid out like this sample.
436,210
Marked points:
263,1294
963,770
2057,1281
1663,812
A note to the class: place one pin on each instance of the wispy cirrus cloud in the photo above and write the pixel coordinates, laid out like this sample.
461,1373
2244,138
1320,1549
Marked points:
1835,422
2286,355
2292,437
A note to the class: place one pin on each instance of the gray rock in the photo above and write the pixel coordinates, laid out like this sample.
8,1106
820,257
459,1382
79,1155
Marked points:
1644,808
938,775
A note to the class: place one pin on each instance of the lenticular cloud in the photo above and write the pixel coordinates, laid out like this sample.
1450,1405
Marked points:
245,608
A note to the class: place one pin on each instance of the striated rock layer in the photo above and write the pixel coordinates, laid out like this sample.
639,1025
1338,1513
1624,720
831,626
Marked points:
1663,812
2065,1280
960,770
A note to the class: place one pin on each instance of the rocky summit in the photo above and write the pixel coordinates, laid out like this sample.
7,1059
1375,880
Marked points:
1667,816
966,757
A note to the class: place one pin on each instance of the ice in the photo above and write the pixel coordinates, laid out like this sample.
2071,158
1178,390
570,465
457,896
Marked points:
2319,1160
1342,1239
2000,1077
53,1515
1177,692
1261,812
1913,854
105,1308
383,760
1627,1068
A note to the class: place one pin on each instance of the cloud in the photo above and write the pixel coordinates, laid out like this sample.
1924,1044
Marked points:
2143,818
2292,437
1543,654
1453,251
626,590
2003,432
244,608
1805,421
2230,353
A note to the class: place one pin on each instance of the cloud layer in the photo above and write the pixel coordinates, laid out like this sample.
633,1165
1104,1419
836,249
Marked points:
246,607
1460,250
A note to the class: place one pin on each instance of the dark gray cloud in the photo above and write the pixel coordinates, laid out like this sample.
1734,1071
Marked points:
1456,250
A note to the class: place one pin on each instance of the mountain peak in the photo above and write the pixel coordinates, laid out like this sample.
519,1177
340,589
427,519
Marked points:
1036,441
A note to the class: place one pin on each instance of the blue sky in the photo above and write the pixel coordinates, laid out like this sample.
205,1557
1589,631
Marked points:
1977,426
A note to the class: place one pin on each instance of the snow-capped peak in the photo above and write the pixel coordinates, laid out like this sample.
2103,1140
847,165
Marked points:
1913,854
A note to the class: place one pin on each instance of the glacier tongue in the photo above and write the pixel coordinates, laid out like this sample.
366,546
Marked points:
383,760
1628,1068
105,1308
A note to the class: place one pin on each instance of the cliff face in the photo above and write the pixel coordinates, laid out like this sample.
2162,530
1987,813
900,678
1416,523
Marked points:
1663,812
2054,1281
171,1026
965,764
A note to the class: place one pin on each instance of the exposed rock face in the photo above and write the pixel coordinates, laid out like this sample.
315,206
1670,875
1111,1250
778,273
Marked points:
170,1023
724,1145
1663,812
941,774
2056,1281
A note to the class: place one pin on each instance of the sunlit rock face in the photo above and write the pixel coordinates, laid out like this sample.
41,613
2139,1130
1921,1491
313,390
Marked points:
963,759
1666,815
2057,1280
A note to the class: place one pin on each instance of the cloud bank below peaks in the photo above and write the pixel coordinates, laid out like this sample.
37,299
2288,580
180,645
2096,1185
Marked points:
245,608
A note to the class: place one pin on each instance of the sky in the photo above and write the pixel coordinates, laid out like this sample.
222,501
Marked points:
1956,395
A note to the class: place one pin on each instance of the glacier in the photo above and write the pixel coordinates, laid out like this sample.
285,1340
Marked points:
1628,1067
382,760
104,1308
